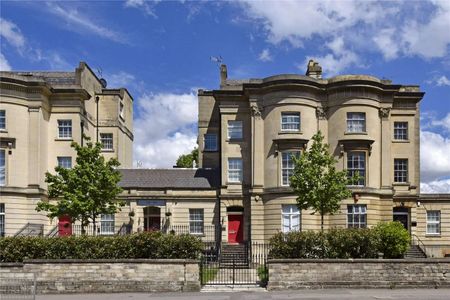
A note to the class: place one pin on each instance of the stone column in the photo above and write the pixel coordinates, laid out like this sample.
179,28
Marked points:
385,155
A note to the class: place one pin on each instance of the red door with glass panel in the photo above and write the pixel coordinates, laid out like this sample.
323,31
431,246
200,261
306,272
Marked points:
235,228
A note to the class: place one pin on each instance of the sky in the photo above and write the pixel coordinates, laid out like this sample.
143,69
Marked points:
161,51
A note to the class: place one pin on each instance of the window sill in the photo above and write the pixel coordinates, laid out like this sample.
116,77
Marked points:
64,139
290,132
3,131
108,150
234,182
235,140
432,235
400,141
208,150
401,184
355,133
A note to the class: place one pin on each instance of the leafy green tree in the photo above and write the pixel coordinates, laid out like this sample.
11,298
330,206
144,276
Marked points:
316,182
188,160
85,191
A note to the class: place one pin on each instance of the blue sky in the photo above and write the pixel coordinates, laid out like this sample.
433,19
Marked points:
160,51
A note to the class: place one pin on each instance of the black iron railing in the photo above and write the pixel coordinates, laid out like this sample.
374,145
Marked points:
416,241
31,229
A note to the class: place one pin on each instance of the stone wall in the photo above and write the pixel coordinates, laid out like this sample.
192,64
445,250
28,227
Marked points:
361,273
97,276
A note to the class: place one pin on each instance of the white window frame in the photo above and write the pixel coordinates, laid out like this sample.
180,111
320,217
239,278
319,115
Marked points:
62,160
2,119
2,167
235,130
196,221
234,170
354,215
401,131
361,170
65,130
435,222
356,122
290,121
290,213
400,170
107,224
2,219
207,138
287,165
109,139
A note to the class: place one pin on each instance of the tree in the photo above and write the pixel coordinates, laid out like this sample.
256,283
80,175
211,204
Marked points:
85,191
316,182
187,160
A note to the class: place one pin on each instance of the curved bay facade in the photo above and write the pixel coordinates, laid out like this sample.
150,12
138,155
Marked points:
250,129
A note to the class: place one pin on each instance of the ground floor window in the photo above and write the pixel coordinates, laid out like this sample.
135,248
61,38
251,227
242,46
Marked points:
357,216
433,222
196,220
107,224
2,219
290,218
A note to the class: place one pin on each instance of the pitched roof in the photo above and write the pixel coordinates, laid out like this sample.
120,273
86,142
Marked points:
170,178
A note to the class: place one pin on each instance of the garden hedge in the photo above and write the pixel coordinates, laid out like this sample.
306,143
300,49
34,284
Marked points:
153,245
391,239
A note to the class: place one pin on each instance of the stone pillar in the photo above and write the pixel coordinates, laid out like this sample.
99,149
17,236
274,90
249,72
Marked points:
34,143
385,155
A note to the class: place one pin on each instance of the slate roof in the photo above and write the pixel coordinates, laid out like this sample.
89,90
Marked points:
170,178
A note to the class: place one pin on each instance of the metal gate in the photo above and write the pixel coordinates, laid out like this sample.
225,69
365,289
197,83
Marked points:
228,264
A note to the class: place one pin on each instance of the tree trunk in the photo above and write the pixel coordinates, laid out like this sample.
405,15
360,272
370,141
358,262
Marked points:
321,222
94,228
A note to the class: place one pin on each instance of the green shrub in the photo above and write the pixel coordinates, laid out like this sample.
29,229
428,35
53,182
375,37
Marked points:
143,245
390,238
394,239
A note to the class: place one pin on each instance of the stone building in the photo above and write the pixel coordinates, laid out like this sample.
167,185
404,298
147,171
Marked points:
41,113
250,130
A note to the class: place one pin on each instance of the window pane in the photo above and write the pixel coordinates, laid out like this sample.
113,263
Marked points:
290,216
106,139
65,129
2,168
2,119
235,129
356,164
400,170
356,122
401,130
287,165
107,224
211,142
65,162
196,220
234,169
2,219
290,121
357,216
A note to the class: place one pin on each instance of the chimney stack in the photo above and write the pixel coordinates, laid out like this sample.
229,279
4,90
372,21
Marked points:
314,70
223,73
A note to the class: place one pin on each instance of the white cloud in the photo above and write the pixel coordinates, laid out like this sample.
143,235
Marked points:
434,156
146,6
392,28
443,81
80,22
165,127
120,79
265,55
12,34
436,186
4,64
429,39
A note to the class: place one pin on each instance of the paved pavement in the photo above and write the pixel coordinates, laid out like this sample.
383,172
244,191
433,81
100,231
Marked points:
327,294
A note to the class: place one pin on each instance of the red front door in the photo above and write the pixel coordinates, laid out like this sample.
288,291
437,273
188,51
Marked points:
235,228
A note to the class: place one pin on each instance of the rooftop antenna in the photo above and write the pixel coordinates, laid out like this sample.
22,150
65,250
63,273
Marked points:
216,59
100,75
139,164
